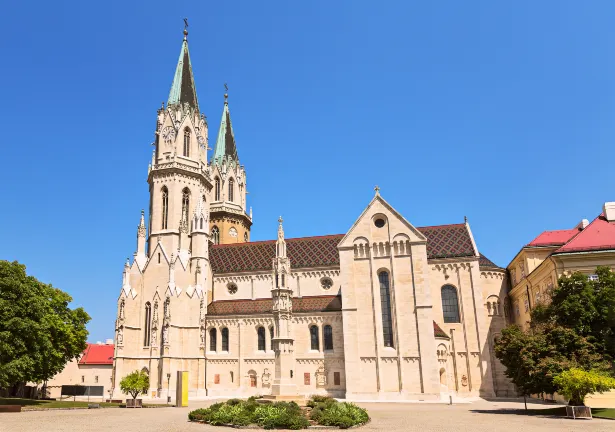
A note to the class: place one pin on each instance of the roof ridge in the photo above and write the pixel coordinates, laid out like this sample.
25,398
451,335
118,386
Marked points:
274,240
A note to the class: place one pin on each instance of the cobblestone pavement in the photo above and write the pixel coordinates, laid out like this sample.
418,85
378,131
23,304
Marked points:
476,417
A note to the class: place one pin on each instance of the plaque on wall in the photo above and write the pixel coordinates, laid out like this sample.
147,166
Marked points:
306,378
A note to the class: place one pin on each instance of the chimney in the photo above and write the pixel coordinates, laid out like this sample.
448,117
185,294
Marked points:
609,211
98,343
109,342
583,224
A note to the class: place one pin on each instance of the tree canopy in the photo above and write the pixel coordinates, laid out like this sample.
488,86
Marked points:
574,331
135,383
39,332
576,383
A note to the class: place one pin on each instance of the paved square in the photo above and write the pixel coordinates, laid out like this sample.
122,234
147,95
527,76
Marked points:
476,417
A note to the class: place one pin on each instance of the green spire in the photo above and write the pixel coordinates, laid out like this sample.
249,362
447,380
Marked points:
183,89
225,144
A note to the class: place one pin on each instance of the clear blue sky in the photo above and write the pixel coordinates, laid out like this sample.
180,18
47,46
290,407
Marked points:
504,112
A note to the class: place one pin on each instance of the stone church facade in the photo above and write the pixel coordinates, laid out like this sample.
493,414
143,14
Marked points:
386,311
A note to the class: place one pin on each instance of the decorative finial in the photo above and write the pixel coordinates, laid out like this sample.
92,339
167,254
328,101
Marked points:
225,93
185,28
142,212
465,219
377,189
280,220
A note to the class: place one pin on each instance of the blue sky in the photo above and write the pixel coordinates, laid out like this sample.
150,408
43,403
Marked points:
503,112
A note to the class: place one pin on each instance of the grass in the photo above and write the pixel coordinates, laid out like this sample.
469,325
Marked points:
67,403
608,413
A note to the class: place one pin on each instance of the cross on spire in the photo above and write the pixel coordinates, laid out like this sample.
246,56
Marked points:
377,189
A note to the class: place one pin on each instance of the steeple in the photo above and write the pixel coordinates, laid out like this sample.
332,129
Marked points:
225,144
183,89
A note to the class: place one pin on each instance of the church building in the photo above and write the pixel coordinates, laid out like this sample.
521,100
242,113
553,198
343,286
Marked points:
385,311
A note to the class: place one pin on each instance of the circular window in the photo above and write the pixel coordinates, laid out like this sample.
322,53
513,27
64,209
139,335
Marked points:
379,222
326,283
232,288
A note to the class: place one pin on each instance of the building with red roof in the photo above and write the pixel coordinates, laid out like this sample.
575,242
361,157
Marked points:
534,271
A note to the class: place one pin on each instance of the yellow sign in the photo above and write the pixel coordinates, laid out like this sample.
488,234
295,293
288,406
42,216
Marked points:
181,389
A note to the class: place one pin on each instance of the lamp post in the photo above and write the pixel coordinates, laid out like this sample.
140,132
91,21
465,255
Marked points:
168,388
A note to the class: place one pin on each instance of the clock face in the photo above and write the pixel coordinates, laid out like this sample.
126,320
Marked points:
168,134
200,139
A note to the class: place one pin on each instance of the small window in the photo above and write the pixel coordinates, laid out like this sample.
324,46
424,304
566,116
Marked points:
224,333
326,283
385,302
185,204
245,237
82,379
328,331
96,379
379,222
314,342
187,142
217,189
271,337
215,235
450,304
147,324
232,288
261,338
213,340
158,257
165,207
231,190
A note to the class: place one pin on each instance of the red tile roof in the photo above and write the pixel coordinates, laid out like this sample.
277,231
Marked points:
598,235
95,354
443,241
264,305
554,238
438,332
484,262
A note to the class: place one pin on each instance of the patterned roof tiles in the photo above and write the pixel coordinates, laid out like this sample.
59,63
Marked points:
438,332
484,262
265,305
443,241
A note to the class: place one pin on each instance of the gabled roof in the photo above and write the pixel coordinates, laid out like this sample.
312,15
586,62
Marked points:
183,89
96,354
484,262
554,238
598,235
444,241
330,303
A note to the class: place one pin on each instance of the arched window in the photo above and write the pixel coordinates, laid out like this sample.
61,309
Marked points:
165,207
271,338
215,235
148,322
224,333
217,190
213,339
450,304
261,338
385,302
245,236
314,342
185,204
328,331
187,142
231,189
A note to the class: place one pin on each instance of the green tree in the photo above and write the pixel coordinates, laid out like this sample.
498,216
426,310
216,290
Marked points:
135,383
575,384
39,333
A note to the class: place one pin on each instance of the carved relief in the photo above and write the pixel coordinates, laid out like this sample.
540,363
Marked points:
321,377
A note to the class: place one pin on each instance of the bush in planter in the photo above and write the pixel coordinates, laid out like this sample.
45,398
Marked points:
280,415
134,384
575,384
343,415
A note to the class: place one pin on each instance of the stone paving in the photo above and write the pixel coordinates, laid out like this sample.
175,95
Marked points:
475,417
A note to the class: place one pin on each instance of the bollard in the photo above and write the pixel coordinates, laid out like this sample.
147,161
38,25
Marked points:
450,399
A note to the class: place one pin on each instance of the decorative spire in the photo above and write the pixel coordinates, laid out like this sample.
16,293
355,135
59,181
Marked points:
225,144
141,227
281,243
183,89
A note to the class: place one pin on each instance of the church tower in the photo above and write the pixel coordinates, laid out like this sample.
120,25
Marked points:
229,222
178,176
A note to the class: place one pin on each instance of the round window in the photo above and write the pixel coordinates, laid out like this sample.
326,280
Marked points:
232,288
379,222
326,283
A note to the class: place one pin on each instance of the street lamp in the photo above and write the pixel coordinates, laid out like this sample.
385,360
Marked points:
168,388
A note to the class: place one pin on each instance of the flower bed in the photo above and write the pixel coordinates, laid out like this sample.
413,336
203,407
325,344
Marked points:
281,415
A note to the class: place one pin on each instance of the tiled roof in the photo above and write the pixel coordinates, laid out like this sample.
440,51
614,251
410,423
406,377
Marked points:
484,262
598,235
438,332
96,354
554,238
443,241
265,305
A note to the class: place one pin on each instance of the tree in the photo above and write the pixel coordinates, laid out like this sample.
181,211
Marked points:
39,333
135,383
575,384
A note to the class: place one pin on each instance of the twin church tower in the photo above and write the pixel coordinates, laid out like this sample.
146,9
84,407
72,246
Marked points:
193,200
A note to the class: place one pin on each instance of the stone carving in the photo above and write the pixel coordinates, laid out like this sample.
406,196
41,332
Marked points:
121,314
321,377
120,335
464,380
167,310
266,378
165,335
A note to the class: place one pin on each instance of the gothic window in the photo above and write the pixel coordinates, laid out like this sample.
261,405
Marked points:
148,322
328,337
213,339
217,190
261,338
185,204
215,235
231,187
187,142
271,337
314,342
385,301
224,333
450,304
245,236
165,207
326,283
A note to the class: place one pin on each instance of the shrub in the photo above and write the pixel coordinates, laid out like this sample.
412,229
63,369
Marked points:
135,383
253,398
198,414
343,415
233,401
575,384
